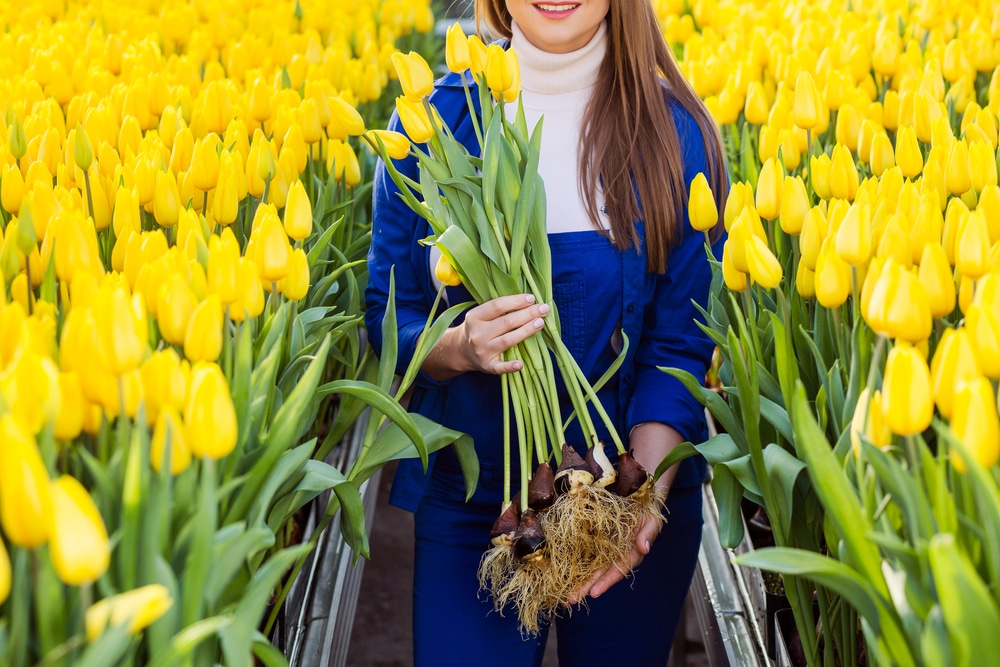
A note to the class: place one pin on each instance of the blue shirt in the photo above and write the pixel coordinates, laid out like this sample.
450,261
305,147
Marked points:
597,289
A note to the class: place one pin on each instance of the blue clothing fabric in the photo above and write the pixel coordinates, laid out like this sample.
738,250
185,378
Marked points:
597,289
632,624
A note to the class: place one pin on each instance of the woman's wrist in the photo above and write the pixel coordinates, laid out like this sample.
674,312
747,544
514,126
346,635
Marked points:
445,360
651,442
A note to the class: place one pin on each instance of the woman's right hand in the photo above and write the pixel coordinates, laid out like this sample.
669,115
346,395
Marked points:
489,330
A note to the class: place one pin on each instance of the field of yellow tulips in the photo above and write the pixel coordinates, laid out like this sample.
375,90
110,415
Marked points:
185,217
858,312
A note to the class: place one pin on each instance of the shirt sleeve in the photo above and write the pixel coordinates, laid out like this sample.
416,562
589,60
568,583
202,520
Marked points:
671,336
394,255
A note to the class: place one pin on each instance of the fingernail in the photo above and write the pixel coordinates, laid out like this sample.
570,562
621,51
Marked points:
530,298
647,545
539,323
544,309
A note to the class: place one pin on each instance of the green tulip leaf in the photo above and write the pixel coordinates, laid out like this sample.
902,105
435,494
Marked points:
821,569
969,609
728,495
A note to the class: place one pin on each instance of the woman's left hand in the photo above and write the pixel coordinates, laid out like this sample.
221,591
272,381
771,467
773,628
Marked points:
646,532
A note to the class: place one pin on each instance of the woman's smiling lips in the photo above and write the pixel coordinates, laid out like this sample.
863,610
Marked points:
555,9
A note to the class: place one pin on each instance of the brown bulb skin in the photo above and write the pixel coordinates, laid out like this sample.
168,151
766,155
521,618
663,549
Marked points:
541,489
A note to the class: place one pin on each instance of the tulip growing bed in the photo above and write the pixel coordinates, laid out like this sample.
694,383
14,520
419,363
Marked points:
184,225
857,316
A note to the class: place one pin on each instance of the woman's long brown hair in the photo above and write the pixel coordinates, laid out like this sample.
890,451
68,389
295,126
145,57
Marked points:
629,137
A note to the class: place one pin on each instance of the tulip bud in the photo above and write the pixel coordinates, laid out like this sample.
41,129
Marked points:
170,434
457,49
345,120
833,279
936,277
972,246
808,106
205,163
739,195
295,285
166,199
203,337
814,230
908,155
11,189
765,269
794,205
907,406
975,424
25,498
756,108
854,243
769,186
843,174
957,176
261,108
502,72
118,330
272,250
881,156
819,176
848,127
175,304
414,74
395,145
209,415
16,140
984,334
868,420
83,154
735,279
69,421
702,210
445,272
954,364
415,120
78,545
250,299
137,609
982,166
217,109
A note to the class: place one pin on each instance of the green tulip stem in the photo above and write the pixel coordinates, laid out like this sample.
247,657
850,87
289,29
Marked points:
913,454
505,393
19,605
472,112
809,143
90,197
751,317
31,291
522,437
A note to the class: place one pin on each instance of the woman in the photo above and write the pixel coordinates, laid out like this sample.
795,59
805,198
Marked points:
620,145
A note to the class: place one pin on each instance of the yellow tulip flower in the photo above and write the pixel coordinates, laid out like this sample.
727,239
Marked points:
78,544
907,406
457,49
137,609
25,497
954,364
203,336
976,424
170,432
808,106
414,75
703,213
833,279
209,414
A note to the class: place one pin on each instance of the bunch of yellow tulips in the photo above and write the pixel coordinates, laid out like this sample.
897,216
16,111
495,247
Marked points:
864,216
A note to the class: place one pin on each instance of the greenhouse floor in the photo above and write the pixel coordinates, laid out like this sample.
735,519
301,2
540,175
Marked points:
382,622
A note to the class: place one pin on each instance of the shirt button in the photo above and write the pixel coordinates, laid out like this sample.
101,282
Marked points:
631,308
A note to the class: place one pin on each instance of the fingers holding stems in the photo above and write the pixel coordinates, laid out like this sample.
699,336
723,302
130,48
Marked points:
496,326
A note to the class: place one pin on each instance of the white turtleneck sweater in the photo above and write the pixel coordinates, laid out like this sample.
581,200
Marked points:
557,87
